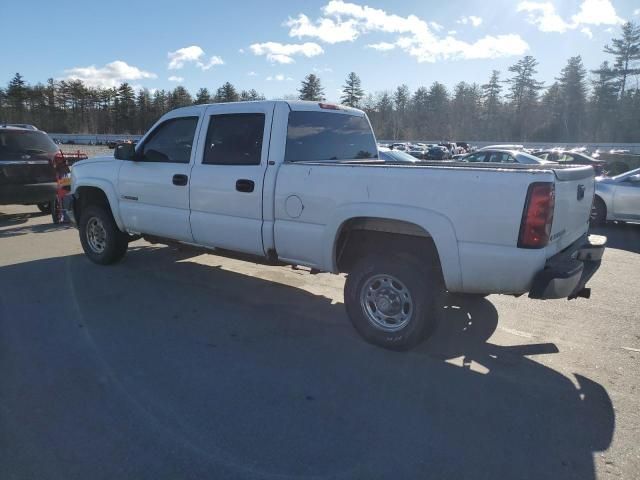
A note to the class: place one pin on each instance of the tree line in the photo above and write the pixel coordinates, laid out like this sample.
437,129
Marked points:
579,106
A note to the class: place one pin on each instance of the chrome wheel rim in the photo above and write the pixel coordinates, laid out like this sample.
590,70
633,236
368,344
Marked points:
96,235
386,302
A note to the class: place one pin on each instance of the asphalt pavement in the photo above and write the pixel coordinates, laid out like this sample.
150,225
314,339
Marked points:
175,364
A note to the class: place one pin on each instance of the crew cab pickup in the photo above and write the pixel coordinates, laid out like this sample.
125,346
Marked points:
301,183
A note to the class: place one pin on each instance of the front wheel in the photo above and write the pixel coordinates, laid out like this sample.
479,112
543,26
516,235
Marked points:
391,302
102,240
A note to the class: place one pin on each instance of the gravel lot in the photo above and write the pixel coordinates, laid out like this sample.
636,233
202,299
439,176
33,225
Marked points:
176,364
90,150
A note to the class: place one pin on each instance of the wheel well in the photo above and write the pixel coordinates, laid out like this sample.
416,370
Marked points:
86,196
362,236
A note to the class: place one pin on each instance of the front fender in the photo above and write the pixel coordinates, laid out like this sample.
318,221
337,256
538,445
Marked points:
436,225
109,190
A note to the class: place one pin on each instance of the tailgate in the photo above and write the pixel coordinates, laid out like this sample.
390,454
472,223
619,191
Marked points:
26,171
574,189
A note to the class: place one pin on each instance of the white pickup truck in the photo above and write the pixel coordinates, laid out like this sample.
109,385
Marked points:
301,183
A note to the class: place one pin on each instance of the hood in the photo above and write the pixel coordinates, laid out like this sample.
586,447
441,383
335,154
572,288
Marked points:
100,159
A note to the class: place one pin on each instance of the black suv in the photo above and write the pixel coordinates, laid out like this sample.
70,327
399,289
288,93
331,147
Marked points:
27,159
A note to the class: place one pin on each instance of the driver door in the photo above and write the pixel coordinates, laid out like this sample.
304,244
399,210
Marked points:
154,188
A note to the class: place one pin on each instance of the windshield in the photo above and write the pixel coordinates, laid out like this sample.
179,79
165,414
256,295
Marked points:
396,156
322,136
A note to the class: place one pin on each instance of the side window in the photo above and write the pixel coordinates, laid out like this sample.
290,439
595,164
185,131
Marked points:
171,142
543,156
476,157
234,139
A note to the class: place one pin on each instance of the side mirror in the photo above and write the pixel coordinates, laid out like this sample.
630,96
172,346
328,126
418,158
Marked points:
125,151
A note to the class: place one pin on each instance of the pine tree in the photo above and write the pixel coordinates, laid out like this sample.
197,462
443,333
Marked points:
438,109
419,115
573,97
492,103
311,89
524,91
401,98
603,102
202,97
626,51
352,92
16,95
226,93
384,109
180,97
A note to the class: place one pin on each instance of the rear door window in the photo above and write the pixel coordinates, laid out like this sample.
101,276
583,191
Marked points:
324,136
234,139
476,157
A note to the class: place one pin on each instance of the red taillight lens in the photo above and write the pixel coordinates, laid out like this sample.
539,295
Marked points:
329,106
58,159
537,217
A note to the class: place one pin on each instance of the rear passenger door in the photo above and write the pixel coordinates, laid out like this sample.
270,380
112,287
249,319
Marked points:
228,175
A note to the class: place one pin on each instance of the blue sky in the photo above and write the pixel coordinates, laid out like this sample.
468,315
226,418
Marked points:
271,46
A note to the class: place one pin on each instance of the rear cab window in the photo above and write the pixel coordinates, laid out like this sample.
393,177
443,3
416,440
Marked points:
325,137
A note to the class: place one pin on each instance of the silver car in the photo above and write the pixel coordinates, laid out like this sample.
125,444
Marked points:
502,156
617,198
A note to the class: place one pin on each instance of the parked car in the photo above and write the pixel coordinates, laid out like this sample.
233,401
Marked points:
437,152
301,183
503,147
395,156
27,174
417,152
572,157
502,156
399,146
617,198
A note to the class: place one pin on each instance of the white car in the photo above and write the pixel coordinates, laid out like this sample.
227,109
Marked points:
301,183
617,198
503,147
487,155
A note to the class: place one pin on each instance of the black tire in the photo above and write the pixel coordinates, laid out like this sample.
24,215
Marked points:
44,207
424,289
95,220
598,212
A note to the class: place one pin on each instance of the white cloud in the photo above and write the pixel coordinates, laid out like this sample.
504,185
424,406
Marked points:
382,46
193,54
241,50
587,31
326,29
279,78
343,21
284,53
636,11
174,78
111,75
452,32
470,20
252,74
592,12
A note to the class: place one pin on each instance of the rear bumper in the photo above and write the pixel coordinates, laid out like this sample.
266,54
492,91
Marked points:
27,194
69,207
566,274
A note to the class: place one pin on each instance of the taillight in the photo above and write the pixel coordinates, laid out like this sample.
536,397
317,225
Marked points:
58,159
537,216
329,106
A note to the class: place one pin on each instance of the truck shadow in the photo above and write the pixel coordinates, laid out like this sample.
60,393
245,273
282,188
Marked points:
161,362
623,236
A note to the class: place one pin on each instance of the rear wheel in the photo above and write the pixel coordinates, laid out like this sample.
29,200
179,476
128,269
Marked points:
44,207
598,212
102,240
391,302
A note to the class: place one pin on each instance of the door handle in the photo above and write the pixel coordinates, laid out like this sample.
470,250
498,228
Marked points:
244,185
180,180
